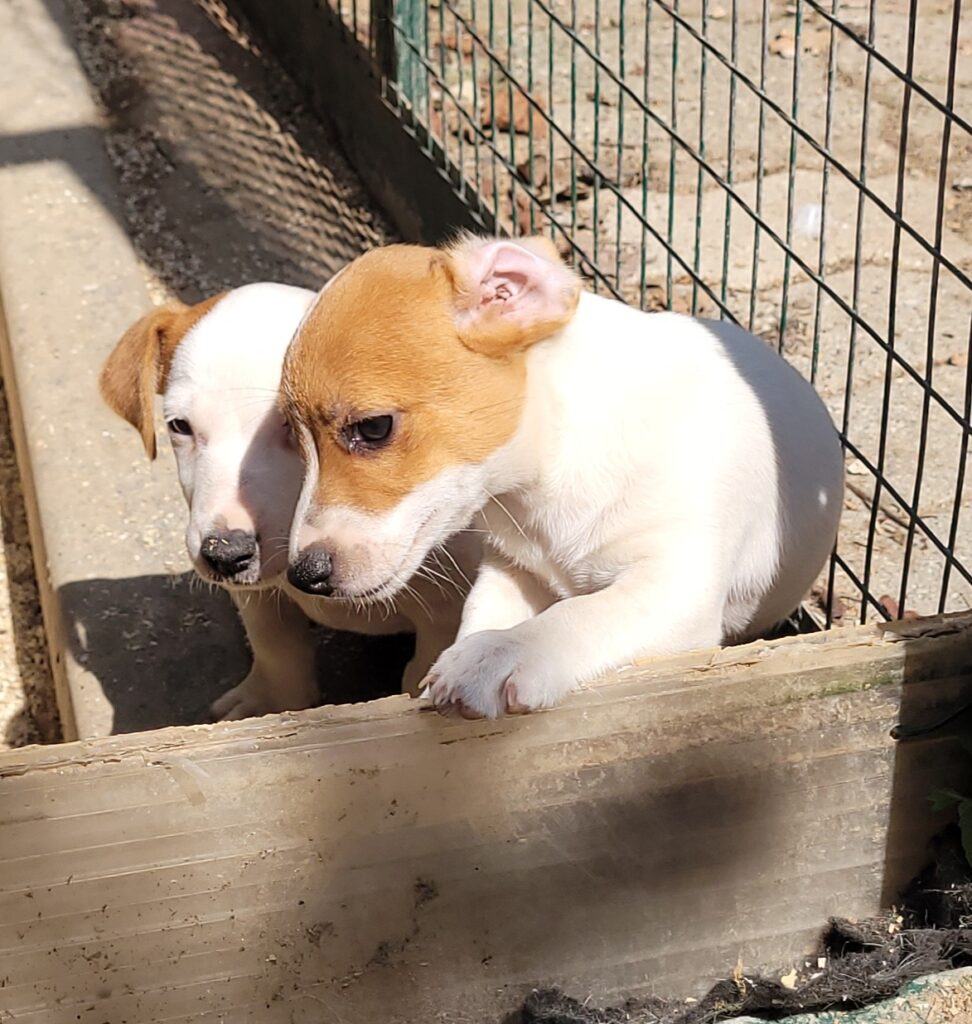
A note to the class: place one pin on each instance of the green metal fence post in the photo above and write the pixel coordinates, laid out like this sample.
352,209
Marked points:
411,46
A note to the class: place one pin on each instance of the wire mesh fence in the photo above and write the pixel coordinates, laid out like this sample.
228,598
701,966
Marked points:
803,168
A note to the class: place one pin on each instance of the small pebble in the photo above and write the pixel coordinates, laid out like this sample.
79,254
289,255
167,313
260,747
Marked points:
783,45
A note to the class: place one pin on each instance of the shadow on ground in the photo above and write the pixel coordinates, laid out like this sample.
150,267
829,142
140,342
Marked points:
184,645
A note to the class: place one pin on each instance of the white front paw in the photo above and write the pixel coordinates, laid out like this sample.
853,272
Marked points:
492,673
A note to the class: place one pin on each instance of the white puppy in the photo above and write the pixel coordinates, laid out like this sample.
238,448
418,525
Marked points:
652,483
217,365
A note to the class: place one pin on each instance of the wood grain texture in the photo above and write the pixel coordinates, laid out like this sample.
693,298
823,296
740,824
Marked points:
377,862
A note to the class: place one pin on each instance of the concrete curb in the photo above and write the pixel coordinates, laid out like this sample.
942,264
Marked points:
105,527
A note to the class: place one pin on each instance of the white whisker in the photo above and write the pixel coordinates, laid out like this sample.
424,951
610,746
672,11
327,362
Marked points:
445,551
496,501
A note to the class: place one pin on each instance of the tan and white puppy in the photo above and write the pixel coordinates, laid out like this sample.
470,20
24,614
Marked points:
651,483
217,365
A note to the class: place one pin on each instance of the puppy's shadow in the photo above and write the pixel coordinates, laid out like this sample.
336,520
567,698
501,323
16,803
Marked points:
162,648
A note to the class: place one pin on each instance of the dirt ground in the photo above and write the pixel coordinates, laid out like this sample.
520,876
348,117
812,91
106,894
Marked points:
28,713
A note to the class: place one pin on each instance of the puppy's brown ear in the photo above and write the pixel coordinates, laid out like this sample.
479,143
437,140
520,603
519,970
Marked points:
132,373
509,294
139,364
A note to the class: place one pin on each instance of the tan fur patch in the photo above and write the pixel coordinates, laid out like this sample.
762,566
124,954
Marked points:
139,364
383,338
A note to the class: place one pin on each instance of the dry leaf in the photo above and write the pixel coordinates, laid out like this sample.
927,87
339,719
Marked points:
534,172
523,207
519,120
463,46
783,45
958,358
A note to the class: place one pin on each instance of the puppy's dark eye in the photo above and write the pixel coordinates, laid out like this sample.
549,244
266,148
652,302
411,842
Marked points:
371,432
180,427
374,429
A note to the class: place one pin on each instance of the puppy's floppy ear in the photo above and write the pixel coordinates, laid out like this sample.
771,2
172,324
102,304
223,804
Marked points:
132,373
137,367
509,294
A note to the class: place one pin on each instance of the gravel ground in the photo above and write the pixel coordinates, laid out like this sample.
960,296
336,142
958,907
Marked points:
28,713
225,176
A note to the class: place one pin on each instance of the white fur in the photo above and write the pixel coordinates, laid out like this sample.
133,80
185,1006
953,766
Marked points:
224,379
673,484
379,553
239,470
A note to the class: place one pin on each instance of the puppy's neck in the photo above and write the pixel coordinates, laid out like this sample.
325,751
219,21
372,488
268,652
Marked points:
519,463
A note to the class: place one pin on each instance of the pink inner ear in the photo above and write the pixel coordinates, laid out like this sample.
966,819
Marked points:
510,281
501,287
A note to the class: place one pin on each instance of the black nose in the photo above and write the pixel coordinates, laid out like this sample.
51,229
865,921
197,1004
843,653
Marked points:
312,572
229,552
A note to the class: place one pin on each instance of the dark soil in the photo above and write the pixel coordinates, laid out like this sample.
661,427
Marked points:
865,961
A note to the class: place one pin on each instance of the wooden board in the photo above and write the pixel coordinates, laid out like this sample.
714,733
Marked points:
379,863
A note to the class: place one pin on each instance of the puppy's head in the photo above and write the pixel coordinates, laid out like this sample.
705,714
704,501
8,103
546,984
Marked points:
406,376
217,366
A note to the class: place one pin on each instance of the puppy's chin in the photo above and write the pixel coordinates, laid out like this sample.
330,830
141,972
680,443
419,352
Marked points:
251,579
383,592
377,587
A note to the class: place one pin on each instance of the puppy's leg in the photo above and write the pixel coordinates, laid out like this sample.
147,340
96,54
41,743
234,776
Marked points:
503,596
651,609
282,677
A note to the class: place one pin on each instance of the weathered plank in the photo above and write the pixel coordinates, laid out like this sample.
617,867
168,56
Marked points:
378,863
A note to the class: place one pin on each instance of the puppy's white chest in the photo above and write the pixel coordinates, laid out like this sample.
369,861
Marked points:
545,541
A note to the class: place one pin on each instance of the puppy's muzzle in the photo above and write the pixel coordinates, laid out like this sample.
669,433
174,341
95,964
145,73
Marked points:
229,553
312,572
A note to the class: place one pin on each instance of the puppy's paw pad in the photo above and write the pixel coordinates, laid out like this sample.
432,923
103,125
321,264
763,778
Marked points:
470,714
514,706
